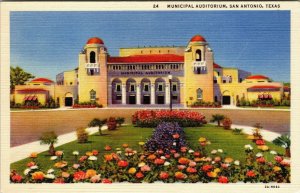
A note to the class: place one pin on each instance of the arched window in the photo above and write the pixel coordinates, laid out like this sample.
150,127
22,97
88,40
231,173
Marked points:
199,94
198,55
92,95
92,57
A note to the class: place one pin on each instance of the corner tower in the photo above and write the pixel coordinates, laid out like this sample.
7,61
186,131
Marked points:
198,71
92,72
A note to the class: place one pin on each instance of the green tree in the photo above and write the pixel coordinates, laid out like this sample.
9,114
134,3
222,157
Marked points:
49,138
97,123
217,118
18,77
284,141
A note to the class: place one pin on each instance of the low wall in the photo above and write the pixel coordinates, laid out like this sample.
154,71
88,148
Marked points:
27,126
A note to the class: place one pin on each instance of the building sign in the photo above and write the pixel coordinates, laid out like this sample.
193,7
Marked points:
146,73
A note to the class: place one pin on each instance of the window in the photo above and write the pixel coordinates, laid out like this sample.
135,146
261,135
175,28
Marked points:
160,86
198,70
132,87
174,86
119,97
92,95
241,79
92,57
215,81
92,72
118,87
218,73
71,83
199,93
146,87
224,81
174,97
198,55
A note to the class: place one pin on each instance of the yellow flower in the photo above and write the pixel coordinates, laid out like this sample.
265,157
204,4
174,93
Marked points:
132,171
61,164
250,137
90,173
217,170
212,174
228,160
141,143
33,155
202,139
276,169
263,147
89,153
38,176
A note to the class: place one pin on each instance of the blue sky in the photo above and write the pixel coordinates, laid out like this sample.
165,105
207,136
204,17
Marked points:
47,43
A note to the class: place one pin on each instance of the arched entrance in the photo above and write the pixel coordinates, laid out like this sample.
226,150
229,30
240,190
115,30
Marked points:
175,89
146,89
226,99
131,91
160,85
116,87
68,99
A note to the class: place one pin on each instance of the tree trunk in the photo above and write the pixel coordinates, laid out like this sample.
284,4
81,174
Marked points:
288,152
219,124
100,131
51,149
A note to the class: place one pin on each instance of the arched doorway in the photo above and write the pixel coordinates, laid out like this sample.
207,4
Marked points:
146,89
68,99
226,99
116,87
131,91
175,89
160,85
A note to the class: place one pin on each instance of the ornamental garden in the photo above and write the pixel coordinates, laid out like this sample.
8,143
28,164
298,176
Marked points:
159,146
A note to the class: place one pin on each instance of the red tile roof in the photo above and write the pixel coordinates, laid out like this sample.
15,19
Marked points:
217,65
151,58
198,38
264,88
44,80
257,77
32,90
95,40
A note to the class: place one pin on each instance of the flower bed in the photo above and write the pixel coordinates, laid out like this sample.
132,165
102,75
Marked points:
135,166
150,118
203,104
86,106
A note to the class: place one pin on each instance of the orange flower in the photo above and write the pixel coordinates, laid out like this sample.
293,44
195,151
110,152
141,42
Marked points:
125,145
191,170
29,164
38,176
180,175
33,155
95,152
89,153
152,157
159,161
90,173
139,175
212,174
228,160
59,153
197,159
107,148
132,171
183,160
61,164
108,157
65,174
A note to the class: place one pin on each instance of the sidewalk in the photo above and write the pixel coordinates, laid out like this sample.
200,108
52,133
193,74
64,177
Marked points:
23,151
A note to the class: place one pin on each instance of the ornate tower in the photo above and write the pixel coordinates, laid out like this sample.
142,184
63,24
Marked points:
198,71
92,72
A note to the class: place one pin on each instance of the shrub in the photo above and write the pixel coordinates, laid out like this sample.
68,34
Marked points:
284,141
97,123
226,123
120,120
237,131
217,118
82,135
149,118
49,138
167,136
111,123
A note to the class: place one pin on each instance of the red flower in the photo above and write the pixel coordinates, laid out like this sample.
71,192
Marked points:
207,168
176,136
250,173
106,181
191,170
183,149
59,181
260,142
163,175
167,156
29,164
122,163
107,148
197,154
261,160
17,178
83,158
80,175
139,175
160,151
223,179
95,152
173,151
278,159
159,161
183,160
180,175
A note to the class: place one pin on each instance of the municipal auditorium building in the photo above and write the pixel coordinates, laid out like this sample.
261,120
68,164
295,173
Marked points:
149,76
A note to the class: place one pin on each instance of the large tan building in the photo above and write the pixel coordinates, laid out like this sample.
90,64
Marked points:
182,75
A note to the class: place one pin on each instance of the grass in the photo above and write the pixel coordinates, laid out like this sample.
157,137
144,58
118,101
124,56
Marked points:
274,107
232,145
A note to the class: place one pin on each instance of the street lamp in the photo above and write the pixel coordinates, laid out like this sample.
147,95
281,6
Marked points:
170,82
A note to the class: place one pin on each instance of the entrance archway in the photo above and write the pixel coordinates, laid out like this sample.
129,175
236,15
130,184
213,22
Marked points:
226,99
68,99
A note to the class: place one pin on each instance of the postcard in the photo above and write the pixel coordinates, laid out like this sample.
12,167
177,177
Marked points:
150,97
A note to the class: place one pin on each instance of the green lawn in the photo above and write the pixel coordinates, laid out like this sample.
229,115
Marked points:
232,145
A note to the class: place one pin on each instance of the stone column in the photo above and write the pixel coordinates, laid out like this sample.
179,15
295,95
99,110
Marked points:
109,94
167,93
152,97
138,94
123,94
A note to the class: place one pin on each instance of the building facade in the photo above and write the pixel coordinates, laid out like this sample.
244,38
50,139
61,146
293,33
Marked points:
182,75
